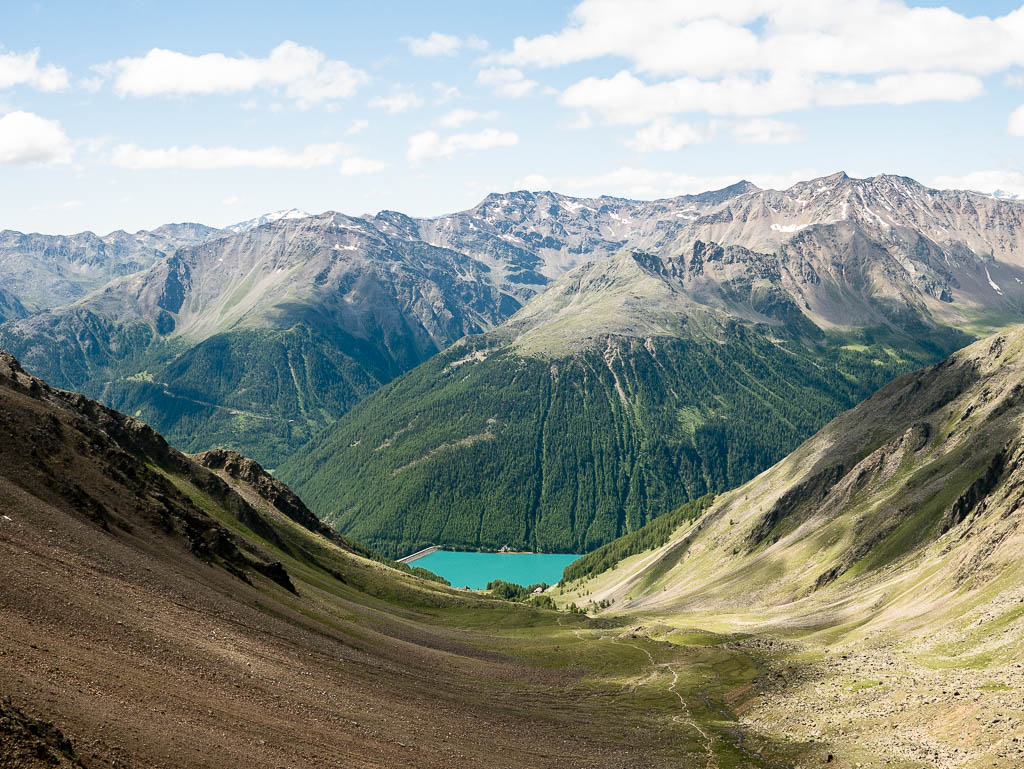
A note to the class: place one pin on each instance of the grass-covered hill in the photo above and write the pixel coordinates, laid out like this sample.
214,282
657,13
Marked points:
630,386
921,476
882,559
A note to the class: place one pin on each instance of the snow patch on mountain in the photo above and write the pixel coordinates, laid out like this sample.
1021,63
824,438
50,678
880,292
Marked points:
276,216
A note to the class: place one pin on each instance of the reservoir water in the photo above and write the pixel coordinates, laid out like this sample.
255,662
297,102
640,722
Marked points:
475,570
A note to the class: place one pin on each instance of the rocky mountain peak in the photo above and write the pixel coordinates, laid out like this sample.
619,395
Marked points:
275,216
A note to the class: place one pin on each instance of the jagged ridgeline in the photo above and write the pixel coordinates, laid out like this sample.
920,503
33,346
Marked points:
608,400
258,336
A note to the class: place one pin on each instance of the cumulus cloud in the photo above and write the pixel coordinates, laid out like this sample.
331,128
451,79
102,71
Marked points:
900,89
664,135
430,144
766,131
460,117
440,44
666,37
533,182
627,99
28,139
356,126
445,93
435,44
24,69
301,73
1005,183
506,81
400,100
760,57
359,166
195,157
1015,124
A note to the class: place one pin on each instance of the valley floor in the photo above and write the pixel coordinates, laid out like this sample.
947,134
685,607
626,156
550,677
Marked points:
164,661
942,695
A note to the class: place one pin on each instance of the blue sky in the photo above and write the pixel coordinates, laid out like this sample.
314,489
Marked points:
132,114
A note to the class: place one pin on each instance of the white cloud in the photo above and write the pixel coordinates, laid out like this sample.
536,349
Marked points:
230,200
581,122
460,117
760,57
901,89
27,139
533,182
304,74
91,84
626,99
435,44
445,93
430,144
24,69
766,131
359,166
440,44
664,135
207,158
333,80
1009,183
665,37
1015,124
356,126
506,81
399,101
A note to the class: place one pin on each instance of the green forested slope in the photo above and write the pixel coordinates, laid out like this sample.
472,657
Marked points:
268,391
487,447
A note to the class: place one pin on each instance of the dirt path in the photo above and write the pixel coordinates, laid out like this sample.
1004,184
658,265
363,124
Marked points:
655,669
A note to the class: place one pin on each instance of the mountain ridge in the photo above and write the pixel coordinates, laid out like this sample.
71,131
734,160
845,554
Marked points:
332,307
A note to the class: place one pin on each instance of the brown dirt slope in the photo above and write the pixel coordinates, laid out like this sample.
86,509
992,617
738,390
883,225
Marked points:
160,614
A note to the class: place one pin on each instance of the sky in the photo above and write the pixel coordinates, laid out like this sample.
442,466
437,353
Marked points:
128,115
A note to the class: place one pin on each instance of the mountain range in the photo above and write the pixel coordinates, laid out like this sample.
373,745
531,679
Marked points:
700,316
649,377
775,583
47,271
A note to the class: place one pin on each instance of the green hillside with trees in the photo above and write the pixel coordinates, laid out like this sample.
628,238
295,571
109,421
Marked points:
482,447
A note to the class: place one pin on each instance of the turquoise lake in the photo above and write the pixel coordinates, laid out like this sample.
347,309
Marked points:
475,570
